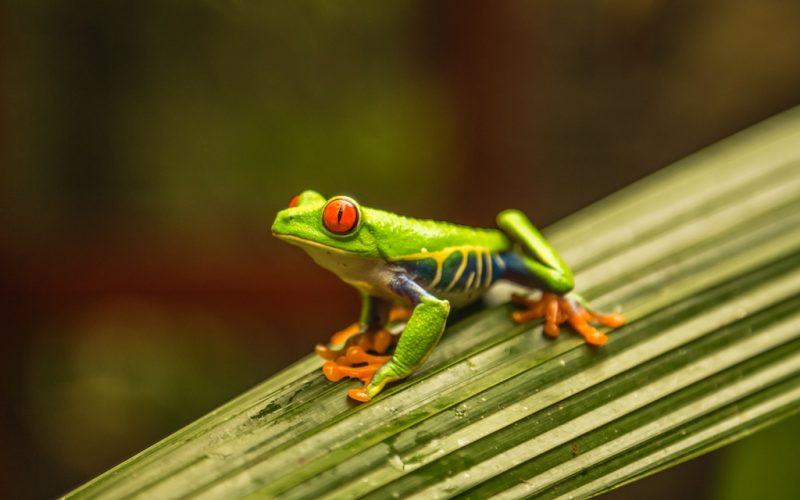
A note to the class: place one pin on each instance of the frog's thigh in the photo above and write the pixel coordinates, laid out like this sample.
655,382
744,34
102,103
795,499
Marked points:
547,267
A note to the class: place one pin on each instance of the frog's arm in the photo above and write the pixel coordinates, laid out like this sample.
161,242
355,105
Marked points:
422,332
546,265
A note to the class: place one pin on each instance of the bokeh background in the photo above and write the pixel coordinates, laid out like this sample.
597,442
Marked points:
146,146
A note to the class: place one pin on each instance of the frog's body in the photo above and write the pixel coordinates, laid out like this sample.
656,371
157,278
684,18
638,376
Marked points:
425,265
459,266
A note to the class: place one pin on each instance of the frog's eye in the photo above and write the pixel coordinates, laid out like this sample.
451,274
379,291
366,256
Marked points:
340,215
294,201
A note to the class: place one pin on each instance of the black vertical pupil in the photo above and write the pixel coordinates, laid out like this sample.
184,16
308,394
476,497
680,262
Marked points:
341,211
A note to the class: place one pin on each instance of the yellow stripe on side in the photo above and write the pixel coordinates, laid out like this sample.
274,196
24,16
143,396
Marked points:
478,268
470,278
461,267
440,256
488,269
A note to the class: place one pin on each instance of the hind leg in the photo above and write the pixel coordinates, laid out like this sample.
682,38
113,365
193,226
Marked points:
541,266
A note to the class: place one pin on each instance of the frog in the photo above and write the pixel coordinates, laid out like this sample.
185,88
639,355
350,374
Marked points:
414,271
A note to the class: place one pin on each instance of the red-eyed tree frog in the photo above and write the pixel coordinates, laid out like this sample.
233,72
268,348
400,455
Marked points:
417,270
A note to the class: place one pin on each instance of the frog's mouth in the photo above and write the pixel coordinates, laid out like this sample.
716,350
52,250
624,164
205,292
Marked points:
301,242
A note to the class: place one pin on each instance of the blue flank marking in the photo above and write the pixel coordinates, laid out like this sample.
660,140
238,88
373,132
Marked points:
461,284
423,271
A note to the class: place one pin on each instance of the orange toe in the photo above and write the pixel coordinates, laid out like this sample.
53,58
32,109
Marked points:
552,330
551,318
382,341
597,338
325,352
524,316
334,371
359,395
342,335
356,355
610,320
399,313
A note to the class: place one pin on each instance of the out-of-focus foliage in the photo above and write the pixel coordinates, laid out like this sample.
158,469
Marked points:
762,466
139,367
190,115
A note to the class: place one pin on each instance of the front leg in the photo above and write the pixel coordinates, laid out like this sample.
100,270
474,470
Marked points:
421,334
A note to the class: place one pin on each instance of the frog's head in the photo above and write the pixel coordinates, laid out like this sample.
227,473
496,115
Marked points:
336,224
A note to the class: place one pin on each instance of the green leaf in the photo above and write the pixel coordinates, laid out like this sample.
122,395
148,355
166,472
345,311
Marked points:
704,258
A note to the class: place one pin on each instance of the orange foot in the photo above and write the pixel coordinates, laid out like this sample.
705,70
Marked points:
348,354
556,309
355,363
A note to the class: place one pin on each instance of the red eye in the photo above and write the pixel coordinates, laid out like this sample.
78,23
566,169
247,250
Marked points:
340,216
294,201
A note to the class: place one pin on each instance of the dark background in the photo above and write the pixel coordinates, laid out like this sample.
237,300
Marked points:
146,146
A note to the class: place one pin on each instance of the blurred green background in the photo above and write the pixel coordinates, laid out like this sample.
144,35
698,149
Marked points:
146,147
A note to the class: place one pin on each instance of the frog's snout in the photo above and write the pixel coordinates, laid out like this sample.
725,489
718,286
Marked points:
281,223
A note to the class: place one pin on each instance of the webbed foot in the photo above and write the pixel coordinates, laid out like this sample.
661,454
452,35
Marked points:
349,355
557,309
356,362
